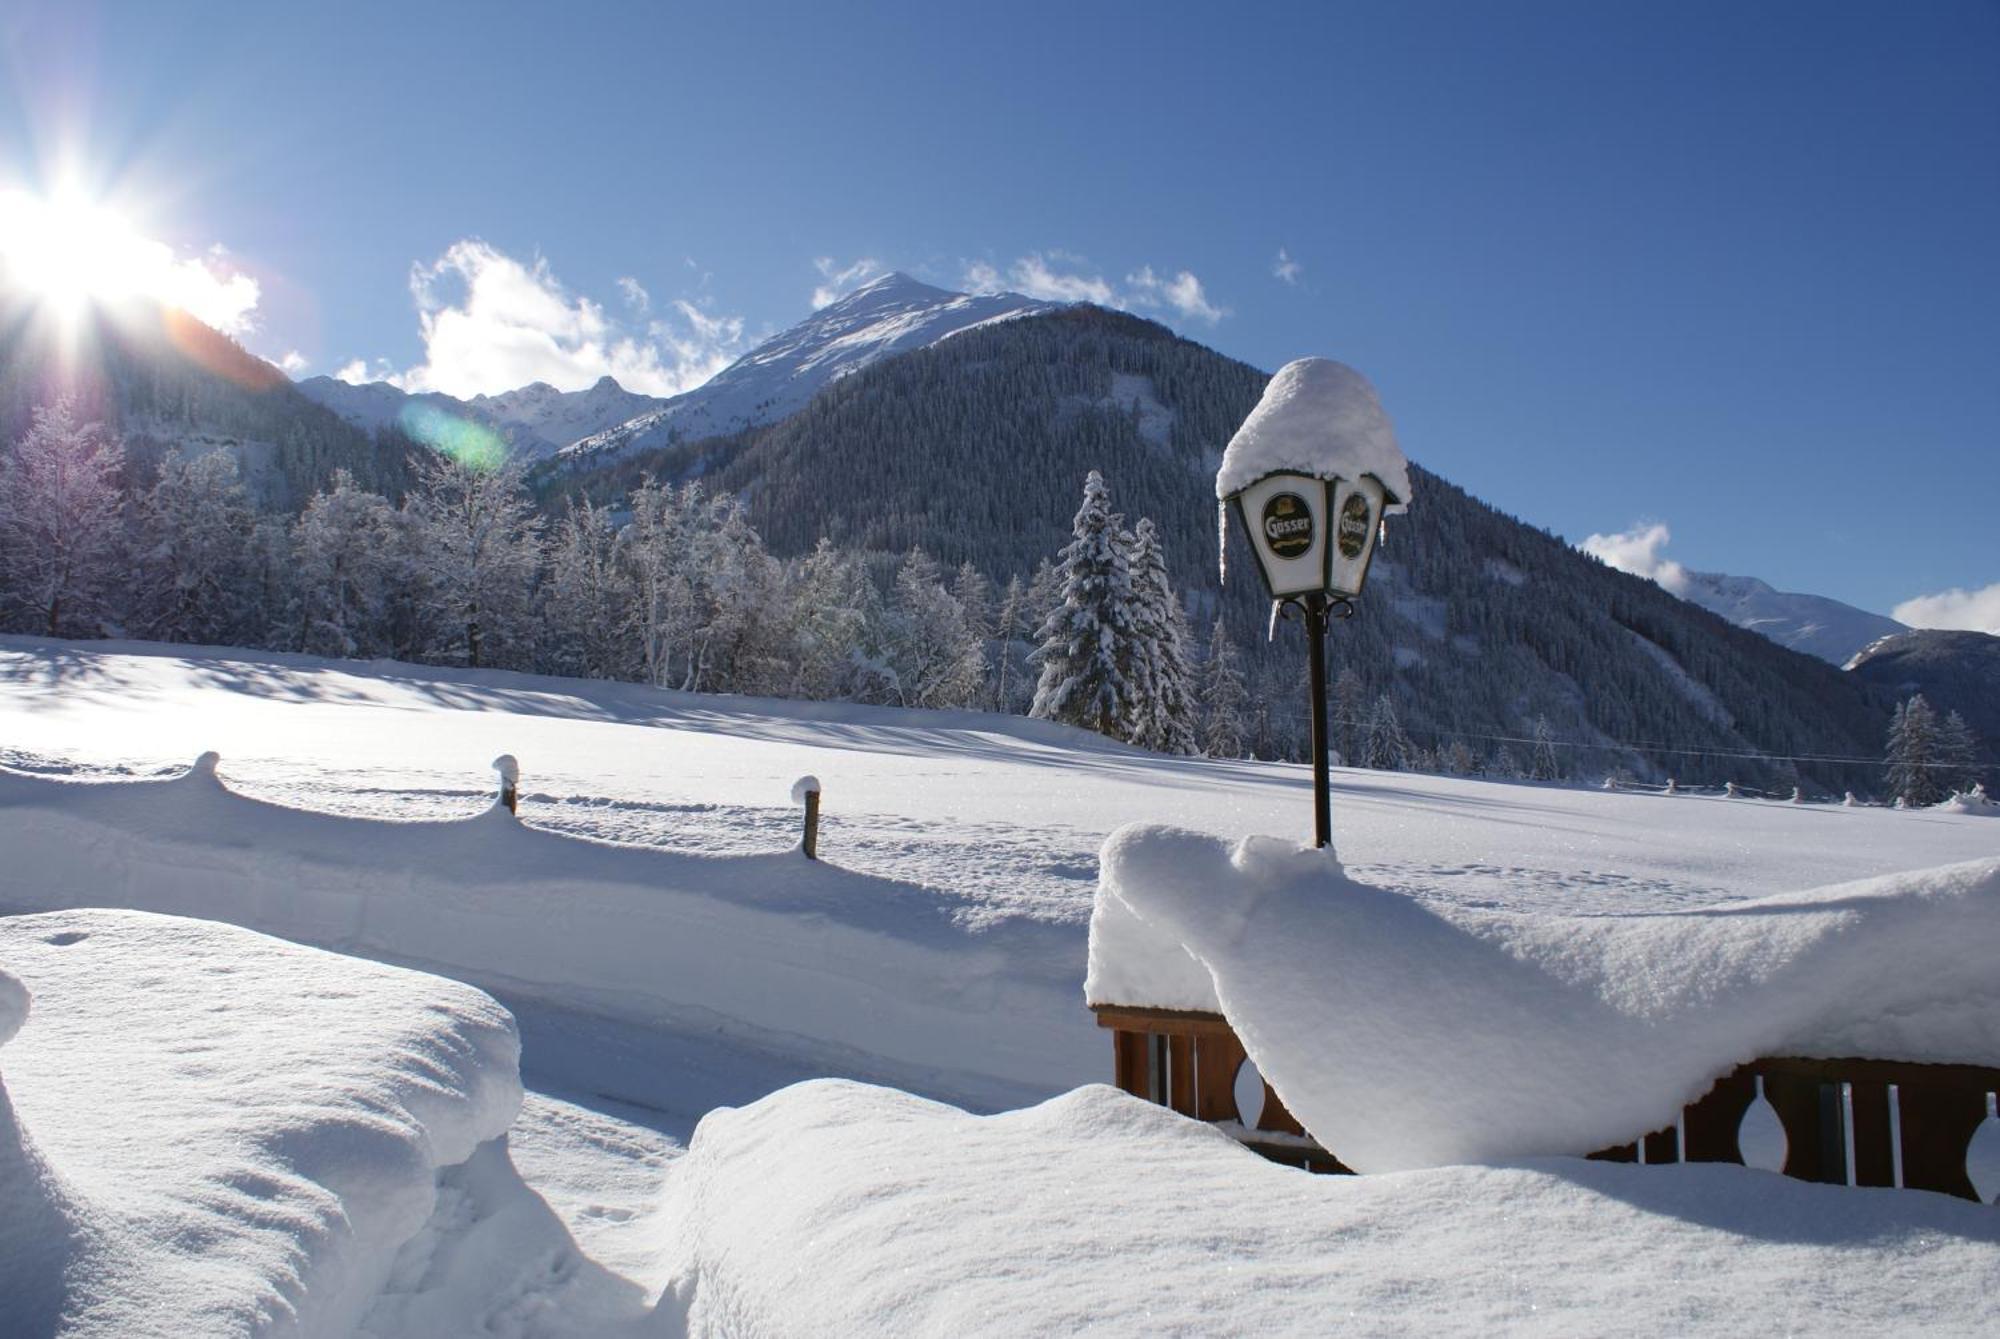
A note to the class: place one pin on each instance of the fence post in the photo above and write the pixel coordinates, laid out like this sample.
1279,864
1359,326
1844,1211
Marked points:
509,772
806,791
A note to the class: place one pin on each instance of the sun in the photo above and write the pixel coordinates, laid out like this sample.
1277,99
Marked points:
70,252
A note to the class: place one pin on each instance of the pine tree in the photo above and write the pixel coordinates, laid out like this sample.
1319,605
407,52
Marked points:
1544,765
1914,761
60,536
1383,744
1162,704
1086,642
1958,752
1223,694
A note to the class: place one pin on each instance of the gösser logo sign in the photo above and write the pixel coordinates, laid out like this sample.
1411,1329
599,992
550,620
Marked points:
1351,536
1288,525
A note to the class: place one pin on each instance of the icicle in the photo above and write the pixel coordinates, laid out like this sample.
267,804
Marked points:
1222,542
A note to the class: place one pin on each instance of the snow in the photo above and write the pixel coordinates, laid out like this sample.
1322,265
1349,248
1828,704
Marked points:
1812,624
804,786
1373,1016
242,1132
1321,418
765,945
941,949
833,1208
893,314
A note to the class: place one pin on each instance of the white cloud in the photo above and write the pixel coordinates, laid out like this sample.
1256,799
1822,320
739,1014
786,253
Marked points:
356,372
1057,276
1974,610
492,323
839,280
1285,269
636,296
1182,292
293,363
1640,551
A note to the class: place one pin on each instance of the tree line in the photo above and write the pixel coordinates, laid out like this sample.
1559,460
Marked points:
673,586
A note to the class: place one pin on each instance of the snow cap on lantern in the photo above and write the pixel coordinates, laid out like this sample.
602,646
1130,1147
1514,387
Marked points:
1311,473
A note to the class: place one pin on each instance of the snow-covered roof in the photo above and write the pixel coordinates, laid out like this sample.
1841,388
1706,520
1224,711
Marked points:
1317,417
1403,1034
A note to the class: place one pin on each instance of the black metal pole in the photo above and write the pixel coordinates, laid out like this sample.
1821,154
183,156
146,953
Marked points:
1315,607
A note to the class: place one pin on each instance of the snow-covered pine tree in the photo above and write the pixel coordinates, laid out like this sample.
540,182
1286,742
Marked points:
1223,694
343,556
1914,761
192,577
1383,743
1163,711
1543,764
60,537
480,543
1958,751
937,659
1086,641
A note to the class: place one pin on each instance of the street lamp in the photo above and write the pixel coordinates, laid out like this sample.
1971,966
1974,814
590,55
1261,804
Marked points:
1310,475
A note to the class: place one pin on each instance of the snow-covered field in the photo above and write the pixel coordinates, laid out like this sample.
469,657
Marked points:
938,946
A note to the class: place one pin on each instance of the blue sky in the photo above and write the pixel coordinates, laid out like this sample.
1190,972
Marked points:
1735,268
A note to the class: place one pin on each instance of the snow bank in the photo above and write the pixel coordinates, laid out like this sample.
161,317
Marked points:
236,1134
834,1208
1321,418
867,975
1403,1035
39,1225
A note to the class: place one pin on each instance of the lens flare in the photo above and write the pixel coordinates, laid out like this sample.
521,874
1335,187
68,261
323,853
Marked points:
472,445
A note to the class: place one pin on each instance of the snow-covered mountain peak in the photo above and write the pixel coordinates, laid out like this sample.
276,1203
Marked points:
884,317
1814,624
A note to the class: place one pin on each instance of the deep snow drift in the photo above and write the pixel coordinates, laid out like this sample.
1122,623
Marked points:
775,948
832,1208
1406,1036
234,1134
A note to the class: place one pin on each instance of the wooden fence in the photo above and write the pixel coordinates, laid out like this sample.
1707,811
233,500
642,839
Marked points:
1846,1122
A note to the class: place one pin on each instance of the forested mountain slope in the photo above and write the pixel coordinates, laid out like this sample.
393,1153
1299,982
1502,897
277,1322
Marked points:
159,379
1955,671
1474,624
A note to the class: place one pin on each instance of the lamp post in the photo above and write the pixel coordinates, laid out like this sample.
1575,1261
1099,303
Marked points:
1309,477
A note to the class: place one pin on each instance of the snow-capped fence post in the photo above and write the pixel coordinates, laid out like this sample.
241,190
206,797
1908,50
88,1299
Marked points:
806,791
509,772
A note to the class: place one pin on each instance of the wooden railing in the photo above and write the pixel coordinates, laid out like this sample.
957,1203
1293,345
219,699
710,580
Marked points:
1847,1122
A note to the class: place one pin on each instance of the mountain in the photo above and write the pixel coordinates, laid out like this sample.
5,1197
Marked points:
1955,671
161,381
1474,624
1813,624
895,314
536,420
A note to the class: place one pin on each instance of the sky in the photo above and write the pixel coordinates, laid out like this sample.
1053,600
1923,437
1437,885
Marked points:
1716,283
